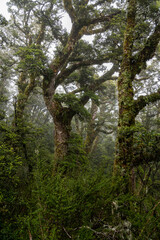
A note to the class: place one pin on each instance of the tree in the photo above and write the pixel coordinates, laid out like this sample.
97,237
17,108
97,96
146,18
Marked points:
37,64
137,50
103,118
66,64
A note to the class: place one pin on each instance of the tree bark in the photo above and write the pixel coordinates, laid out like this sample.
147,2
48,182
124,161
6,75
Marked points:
19,125
91,130
124,159
62,118
128,107
61,136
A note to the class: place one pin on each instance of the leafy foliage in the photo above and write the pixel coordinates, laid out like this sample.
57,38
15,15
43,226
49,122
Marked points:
73,103
32,59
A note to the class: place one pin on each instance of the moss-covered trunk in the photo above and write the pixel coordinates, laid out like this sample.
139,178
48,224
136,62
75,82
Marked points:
92,132
62,126
24,91
124,159
26,85
61,136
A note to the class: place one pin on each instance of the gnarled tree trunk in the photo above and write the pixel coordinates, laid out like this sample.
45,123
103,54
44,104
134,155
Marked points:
124,160
62,118
132,64
62,134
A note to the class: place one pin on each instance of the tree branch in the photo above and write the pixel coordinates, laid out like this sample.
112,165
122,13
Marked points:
79,28
140,59
106,132
67,71
30,86
96,31
43,25
142,101
107,76
84,63
69,9
101,19
96,232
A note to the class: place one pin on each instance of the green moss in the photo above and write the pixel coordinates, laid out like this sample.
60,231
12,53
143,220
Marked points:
73,103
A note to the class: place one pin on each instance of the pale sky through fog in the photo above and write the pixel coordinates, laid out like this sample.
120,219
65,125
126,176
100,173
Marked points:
4,12
3,8
66,20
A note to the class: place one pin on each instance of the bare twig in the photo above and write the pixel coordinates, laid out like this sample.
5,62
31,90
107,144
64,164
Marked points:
67,233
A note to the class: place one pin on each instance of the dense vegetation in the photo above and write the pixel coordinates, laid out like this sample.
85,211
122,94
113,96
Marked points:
80,120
